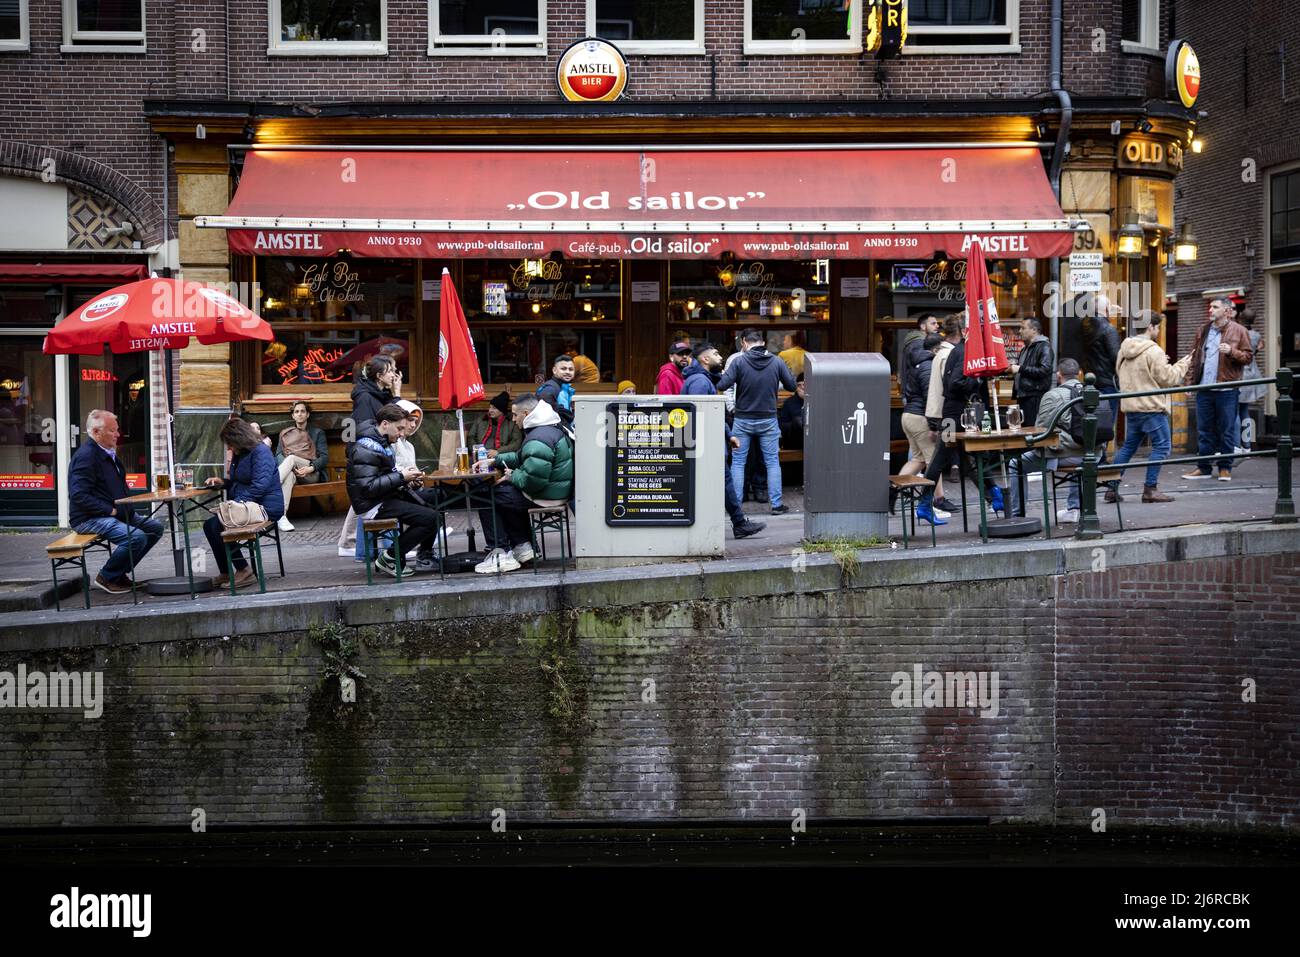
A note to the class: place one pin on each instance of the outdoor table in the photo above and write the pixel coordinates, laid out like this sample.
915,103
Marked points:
980,444
459,488
184,566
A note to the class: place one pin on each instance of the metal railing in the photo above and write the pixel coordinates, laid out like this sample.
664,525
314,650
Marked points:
1089,526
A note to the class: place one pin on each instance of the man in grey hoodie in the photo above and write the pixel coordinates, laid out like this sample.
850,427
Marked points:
757,374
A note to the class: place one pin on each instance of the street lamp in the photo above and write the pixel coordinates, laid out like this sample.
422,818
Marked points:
54,303
1131,239
1185,246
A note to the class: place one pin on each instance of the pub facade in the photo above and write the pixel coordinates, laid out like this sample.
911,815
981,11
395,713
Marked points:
609,178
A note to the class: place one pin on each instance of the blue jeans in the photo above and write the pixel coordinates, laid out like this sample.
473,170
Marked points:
1154,424
768,434
131,540
1031,462
1217,427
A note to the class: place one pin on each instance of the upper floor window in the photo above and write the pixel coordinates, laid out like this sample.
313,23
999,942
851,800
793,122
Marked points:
103,26
314,27
803,26
648,26
487,27
1284,216
1141,25
13,25
963,26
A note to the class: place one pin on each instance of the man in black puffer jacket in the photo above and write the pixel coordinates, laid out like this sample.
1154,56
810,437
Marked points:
376,484
1035,373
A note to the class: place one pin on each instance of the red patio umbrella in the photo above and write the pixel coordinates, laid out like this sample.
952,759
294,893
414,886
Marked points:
986,353
459,380
153,315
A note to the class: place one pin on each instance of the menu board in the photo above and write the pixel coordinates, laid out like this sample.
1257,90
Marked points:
650,463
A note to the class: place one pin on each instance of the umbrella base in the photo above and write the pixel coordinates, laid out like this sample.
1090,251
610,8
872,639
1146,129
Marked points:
179,585
1014,527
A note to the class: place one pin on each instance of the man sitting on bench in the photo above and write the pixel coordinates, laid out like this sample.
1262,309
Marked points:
96,480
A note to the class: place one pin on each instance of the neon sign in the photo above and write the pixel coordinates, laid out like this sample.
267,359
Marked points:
315,366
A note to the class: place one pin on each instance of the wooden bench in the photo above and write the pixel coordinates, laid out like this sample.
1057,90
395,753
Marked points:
251,536
71,550
909,488
335,490
371,529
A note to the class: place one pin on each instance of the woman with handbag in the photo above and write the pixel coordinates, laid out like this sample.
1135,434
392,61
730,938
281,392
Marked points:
253,495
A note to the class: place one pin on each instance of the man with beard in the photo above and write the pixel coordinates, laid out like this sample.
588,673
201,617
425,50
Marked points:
701,378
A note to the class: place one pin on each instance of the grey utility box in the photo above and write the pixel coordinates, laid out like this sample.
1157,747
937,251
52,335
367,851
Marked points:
650,479
846,445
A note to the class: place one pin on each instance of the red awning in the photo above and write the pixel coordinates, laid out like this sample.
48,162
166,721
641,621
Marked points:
114,273
653,204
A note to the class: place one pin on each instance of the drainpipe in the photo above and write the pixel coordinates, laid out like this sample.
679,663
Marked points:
1058,158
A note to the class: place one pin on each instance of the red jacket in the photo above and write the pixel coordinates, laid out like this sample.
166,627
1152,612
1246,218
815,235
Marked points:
670,380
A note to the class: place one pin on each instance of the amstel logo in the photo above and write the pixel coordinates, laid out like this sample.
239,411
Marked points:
1183,72
102,308
592,71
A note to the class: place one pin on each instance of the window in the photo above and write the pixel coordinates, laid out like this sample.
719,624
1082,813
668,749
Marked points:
788,299
103,26
963,26
803,26
1284,216
315,27
330,315
13,25
648,26
1140,26
522,313
487,27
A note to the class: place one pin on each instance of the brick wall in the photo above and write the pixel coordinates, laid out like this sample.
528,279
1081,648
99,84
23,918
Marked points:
1119,691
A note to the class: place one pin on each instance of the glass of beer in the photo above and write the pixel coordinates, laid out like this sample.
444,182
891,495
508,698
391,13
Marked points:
185,478
162,482
462,460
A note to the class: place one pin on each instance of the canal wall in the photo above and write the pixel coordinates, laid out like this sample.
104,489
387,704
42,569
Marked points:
1149,679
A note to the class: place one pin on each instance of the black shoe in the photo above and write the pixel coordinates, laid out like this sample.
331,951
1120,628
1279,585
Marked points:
947,505
747,529
780,509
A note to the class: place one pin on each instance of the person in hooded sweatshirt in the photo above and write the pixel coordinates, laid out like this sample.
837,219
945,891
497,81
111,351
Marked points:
1143,366
757,375
672,373
539,474
557,391
701,378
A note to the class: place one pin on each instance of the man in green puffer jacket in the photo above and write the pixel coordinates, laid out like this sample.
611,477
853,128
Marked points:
540,473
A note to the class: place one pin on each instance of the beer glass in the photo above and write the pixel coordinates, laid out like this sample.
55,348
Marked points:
462,460
1015,417
162,482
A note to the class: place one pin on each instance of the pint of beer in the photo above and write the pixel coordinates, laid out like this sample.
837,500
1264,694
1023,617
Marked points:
162,482
462,460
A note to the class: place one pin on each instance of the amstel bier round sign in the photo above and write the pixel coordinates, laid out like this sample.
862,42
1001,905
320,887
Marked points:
592,71
1183,72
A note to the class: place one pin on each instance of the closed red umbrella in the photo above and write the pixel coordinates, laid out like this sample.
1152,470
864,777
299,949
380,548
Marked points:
459,380
986,353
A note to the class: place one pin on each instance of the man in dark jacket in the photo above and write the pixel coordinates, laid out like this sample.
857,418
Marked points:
701,378
96,480
757,374
1101,348
557,391
376,484
1035,371
540,473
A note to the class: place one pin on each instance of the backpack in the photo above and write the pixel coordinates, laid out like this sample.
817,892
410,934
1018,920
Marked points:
1105,423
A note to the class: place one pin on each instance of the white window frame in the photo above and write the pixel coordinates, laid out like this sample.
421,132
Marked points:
1011,31
483,44
132,42
23,41
1148,40
807,47
278,47
693,47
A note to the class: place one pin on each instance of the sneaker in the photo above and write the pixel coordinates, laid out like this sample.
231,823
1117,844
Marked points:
939,512
1225,475
925,513
284,524
1067,516
747,529
780,509
387,564
424,565
523,553
117,586
497,560
1196,474
947,505
347,552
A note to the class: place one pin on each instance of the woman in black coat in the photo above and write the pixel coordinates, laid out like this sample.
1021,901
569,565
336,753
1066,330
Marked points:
380,383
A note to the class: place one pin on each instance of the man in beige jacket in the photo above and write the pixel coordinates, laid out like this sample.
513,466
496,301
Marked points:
1143,365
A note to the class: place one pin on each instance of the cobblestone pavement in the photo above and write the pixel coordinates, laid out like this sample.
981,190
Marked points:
312,561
